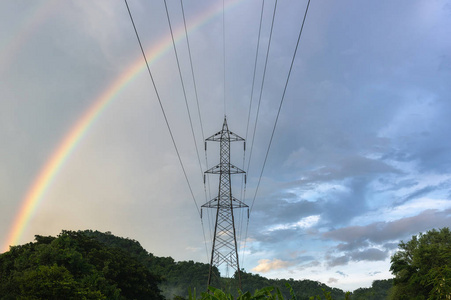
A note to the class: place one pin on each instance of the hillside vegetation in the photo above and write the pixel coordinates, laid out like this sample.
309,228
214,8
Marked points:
93,265
74,266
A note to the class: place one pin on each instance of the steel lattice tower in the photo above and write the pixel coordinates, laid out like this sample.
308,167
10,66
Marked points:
224,248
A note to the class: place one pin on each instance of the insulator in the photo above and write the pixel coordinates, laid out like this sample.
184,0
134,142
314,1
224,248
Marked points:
245,178
244,146
204,178
205,145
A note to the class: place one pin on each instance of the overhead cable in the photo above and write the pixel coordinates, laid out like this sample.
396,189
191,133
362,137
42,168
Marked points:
224,53
281,102
183,88
262,85
161,105
195,89
186,101
255,68
243,195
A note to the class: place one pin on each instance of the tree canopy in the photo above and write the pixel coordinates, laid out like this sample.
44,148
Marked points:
422,266
94,265
379,290
74,266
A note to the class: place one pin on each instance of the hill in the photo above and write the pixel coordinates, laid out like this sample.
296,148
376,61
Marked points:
94,265
74,265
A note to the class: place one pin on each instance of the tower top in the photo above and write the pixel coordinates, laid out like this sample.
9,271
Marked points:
224,125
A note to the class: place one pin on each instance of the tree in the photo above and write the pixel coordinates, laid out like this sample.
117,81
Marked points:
74,266
378,291
422,267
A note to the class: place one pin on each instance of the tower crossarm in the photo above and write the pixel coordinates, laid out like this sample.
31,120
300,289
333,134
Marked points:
220,167
214,203
217,137
225,133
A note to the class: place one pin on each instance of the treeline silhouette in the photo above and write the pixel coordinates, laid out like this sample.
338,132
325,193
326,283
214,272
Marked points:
94,265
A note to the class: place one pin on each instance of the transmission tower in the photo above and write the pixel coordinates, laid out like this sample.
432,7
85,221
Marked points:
224,249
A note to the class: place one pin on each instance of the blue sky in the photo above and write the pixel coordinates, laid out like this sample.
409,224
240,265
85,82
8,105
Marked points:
360,157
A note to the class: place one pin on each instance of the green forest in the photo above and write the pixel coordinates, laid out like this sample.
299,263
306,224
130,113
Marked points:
94,265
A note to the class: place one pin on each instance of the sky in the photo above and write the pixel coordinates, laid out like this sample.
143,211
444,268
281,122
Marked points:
360,157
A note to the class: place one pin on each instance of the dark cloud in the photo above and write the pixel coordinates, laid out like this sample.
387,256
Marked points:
370,254
284,208
293,236
337,261
381,232
389,185
337,206
390,246
352,245
418,193
358,240
342,206
311,264
342,273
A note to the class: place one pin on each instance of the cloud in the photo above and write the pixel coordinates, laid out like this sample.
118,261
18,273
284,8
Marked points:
311,264
266,265
337,261
301,224
390,246
355,244
332,280
371,254
342,273
424,189
381,232
269,238
363,243
418,193
340,167
284,207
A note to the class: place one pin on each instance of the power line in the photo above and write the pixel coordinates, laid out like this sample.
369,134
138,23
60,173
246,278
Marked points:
250,106
192,71
195,90
281,102
200,121
263,83
186,100
183,87
255,68
224,53
161,105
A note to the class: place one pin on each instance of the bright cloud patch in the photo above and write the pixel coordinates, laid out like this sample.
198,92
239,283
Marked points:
266,265
302,223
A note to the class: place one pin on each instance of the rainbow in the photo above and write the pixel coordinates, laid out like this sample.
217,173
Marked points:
68,144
